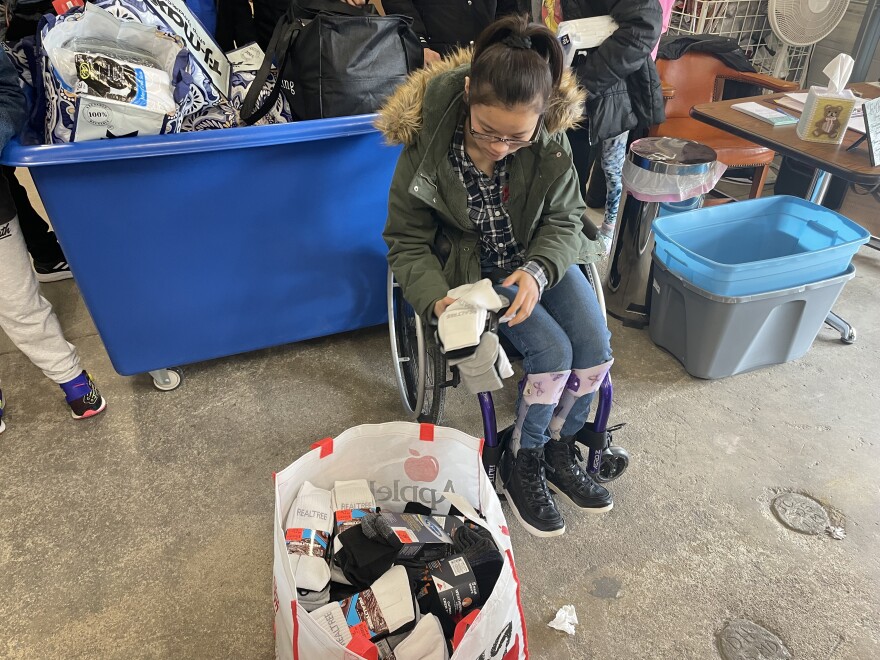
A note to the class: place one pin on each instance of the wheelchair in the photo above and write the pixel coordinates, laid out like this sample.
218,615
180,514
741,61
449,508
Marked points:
423,376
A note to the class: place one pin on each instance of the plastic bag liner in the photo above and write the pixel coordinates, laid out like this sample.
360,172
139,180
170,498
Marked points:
648,186
668,169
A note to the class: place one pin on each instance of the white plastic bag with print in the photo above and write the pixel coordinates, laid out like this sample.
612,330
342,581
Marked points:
403,462
209,68
125,106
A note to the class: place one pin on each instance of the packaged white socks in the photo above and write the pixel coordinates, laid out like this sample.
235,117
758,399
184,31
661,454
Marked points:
307,533
376,612
380,618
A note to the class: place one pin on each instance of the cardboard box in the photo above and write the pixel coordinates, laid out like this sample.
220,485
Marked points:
422,536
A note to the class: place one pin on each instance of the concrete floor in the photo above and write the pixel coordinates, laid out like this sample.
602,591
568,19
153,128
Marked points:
146,533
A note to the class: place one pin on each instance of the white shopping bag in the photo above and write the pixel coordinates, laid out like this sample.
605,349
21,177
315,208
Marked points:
403,462
584,34
210,70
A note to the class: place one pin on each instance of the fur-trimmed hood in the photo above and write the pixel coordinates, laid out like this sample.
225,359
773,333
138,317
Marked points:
406,112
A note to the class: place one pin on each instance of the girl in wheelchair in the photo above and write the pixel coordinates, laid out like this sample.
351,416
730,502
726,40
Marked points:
487,171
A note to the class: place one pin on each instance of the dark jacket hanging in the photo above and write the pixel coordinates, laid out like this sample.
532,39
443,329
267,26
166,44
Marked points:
623,88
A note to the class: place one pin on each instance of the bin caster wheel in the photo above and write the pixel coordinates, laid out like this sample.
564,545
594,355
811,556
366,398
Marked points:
615,460
849,337
166,380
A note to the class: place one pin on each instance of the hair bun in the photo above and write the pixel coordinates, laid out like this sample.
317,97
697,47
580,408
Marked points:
517,41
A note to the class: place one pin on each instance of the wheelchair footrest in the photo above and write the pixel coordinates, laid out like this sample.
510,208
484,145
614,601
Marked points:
597,440
588,437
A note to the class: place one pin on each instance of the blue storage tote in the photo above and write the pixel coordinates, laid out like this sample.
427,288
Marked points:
200,245
759,245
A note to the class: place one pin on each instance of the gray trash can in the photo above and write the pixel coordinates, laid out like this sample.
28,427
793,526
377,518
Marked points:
661,176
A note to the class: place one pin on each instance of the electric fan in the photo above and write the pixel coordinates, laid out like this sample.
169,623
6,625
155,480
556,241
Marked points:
802,23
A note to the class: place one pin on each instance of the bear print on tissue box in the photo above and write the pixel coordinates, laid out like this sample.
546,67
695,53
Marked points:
825,115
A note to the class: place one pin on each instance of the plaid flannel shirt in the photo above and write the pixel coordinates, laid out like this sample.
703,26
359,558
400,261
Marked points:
486,198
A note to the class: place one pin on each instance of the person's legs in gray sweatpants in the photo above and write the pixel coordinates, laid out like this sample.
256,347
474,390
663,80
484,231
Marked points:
27,318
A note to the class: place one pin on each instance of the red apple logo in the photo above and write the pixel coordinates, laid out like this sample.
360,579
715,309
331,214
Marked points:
421,468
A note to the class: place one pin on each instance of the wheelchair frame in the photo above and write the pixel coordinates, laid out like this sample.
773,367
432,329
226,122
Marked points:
422,377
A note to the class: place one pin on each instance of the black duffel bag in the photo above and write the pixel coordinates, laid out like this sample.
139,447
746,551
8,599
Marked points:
334,60
20,18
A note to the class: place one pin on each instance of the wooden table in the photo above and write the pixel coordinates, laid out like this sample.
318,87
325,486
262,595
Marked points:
853,166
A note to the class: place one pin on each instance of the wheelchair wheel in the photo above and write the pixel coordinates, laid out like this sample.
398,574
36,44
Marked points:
419,367
592,274
615,460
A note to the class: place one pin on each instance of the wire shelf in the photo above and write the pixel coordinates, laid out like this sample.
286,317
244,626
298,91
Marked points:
747,22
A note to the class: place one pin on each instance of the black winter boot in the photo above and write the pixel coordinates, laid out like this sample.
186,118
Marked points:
566,477
525,485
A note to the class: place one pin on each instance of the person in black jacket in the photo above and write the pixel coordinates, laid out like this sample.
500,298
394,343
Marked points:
235,24
444,25
46,254
623,88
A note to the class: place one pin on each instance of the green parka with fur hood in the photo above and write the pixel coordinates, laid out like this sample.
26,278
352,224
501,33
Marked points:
428,202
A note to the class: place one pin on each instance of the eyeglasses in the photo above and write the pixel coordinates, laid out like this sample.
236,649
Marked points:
510,142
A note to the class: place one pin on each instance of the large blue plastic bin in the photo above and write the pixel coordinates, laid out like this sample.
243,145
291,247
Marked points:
756,246
201,245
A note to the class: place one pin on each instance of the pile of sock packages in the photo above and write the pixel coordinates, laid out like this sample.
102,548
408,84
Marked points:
388,586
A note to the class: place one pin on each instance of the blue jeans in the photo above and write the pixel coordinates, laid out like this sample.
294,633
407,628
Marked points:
565,331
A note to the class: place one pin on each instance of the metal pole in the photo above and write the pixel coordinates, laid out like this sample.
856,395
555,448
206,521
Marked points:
866,41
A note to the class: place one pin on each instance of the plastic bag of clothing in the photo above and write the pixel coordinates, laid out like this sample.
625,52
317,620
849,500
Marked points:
106,78
245,63
209,68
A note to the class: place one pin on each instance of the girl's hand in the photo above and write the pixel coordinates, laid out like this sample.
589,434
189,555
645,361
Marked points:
441,305
526,298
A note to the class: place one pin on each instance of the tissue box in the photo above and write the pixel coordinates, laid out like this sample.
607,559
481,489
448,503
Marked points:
825,115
